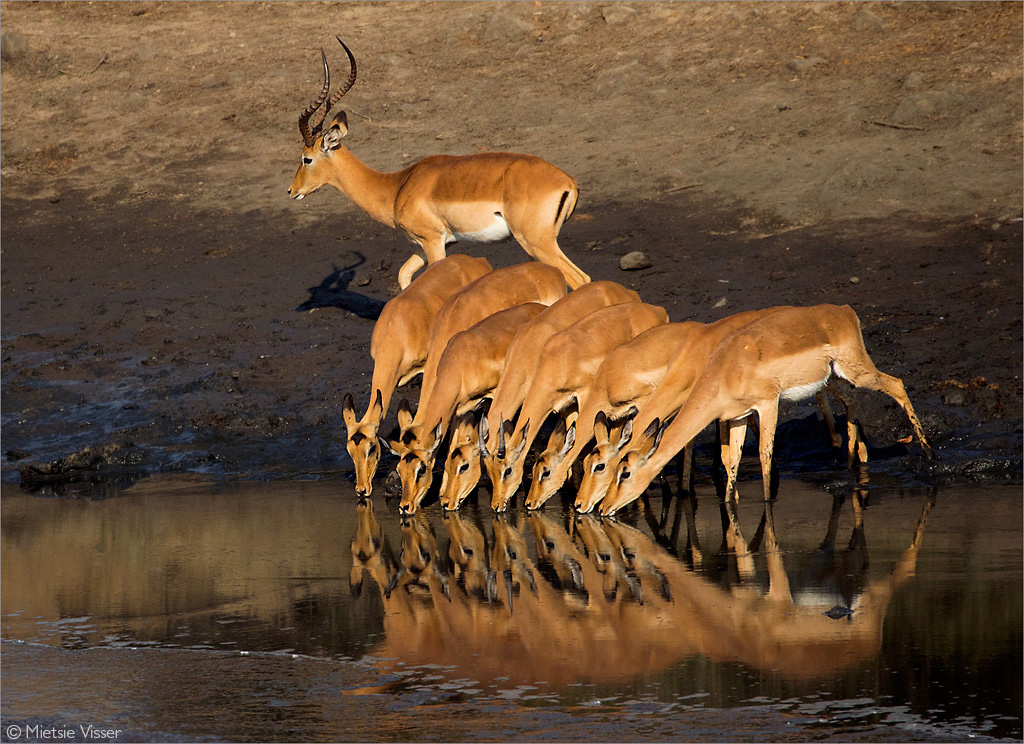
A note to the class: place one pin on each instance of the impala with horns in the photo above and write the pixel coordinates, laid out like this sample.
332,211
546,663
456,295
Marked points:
444,198
467,373
788,354
671,393
398,347
566,370
463,464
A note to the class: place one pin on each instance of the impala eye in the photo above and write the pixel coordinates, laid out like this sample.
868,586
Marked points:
371,449
507,473
623,475
306,160
544,474
599,467
463,467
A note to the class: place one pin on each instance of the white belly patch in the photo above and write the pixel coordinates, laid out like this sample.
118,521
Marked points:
801,392
497,230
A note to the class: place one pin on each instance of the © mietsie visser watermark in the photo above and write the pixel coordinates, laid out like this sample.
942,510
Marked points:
47,732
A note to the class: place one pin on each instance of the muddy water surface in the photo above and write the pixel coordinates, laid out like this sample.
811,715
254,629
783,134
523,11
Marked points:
181,609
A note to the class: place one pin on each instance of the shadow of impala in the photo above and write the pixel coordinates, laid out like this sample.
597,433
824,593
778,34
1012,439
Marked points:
333,291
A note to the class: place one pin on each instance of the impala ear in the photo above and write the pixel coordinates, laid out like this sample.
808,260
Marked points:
338,129
625,434
570,440
652,438
601,427
377,410
348,412
405,416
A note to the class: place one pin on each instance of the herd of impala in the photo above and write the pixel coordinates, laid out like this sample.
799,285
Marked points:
501,351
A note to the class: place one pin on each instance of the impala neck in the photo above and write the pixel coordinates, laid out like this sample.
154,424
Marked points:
370,190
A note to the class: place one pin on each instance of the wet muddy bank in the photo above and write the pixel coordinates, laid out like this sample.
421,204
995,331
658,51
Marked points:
224,345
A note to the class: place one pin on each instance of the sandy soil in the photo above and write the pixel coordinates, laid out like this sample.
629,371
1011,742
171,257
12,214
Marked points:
159,288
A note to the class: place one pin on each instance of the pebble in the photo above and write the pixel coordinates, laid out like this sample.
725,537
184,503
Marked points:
800,64
13,45
634,261
854,280
617,13
918,107
502,27
865,20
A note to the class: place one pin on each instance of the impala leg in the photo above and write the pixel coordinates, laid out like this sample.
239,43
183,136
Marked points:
732,434
830,421
547,251
685,467
433,250
767,419
856,447
873,379
410,267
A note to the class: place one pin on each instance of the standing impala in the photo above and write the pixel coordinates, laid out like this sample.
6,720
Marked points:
441,199
788,354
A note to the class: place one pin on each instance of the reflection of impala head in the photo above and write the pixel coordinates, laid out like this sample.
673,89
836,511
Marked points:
467,551
366,545
317,144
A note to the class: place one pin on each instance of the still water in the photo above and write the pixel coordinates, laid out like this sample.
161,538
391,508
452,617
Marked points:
179,609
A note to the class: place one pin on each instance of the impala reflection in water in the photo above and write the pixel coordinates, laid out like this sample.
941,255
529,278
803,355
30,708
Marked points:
604,601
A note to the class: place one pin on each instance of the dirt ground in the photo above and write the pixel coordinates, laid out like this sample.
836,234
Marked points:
160,290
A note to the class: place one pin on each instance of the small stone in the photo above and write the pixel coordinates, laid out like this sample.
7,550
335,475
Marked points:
865,20
913,81
634,261
617,13
721,303
502,27
919,107
800,64
854,280
954,397
363,278
13,45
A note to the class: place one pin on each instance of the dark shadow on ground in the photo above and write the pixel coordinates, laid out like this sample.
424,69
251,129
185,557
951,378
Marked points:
333,291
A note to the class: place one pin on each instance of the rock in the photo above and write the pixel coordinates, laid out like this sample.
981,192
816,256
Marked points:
503,27
954,397
617,13
721,303
634,261
13,46
89,459
363,278
913,81
802,64
865,20
854,280
917,108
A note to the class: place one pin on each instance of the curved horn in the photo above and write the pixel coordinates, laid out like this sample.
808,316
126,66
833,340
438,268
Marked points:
309,137
348,83
335,97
